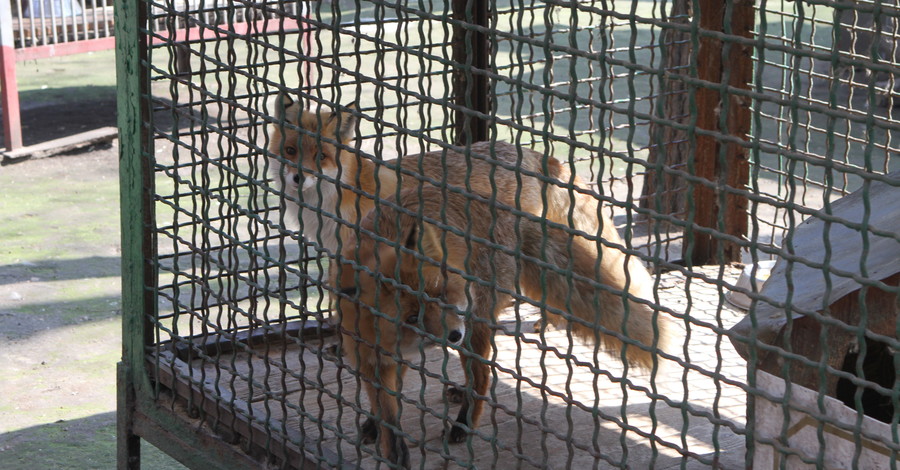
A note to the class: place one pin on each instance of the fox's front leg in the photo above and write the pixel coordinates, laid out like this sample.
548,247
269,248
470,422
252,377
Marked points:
369,428
478,376
386,410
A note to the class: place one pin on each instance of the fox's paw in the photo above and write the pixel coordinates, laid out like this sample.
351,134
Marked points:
456,394
457,434
368,432
399,451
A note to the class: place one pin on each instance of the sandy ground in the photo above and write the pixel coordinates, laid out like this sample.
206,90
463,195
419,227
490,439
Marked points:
60,323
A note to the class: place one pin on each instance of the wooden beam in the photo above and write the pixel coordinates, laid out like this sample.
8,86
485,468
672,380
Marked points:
135,181
472,51
665,192
722,64
737,162
9,89
58,146
227,343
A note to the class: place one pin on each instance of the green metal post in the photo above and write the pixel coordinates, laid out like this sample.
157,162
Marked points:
135,180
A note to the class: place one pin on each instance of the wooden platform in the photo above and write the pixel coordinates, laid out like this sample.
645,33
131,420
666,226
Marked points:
61,145
552,405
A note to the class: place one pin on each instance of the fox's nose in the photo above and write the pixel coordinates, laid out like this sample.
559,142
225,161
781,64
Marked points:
297,178
455,336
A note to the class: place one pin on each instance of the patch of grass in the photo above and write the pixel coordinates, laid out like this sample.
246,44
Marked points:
37,216
62,446
70,78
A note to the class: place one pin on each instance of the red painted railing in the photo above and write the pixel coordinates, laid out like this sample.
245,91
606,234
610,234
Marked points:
37,29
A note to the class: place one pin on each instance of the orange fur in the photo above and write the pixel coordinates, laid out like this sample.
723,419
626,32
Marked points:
390,292
511,178
311,160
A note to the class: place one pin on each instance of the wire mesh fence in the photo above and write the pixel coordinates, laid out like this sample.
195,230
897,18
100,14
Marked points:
658,234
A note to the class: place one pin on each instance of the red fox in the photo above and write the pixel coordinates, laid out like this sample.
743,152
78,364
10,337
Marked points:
321,163
436,239
331,176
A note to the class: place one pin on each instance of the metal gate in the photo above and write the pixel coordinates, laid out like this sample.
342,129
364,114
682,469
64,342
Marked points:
658,234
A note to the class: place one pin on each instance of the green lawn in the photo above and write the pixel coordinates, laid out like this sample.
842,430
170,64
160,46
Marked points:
67,79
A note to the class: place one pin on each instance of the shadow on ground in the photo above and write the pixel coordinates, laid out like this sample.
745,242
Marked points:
61,446
52,114
63,270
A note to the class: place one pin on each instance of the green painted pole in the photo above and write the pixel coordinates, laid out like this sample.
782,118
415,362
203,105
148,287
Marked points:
135,180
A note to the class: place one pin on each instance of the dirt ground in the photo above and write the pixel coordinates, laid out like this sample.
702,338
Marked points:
60,323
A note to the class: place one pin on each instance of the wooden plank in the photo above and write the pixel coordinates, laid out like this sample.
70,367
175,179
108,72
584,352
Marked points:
803,282
737,72
65,48
264,379
471,88
9,89
202,390
227,343
187,442
546,408
58,146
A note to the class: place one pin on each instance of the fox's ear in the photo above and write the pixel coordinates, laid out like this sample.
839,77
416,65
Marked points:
282,103
430,241
347,129
412,237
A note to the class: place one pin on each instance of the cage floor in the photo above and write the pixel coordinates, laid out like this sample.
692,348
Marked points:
546,409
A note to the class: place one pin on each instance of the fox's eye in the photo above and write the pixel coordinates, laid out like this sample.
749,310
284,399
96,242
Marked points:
412,319
290,151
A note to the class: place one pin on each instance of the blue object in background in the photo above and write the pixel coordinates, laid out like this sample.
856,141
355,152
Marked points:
51,8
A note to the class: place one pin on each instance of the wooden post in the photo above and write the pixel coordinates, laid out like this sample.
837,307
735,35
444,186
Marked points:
136,184
736,71
663,191
472,50
9,89
737,162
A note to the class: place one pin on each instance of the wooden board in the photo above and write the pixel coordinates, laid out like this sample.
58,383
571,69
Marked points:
553,404
58,146
829,260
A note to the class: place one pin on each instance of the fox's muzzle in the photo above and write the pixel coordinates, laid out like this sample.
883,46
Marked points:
455,336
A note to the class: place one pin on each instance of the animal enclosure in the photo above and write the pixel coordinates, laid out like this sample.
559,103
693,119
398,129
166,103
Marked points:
703,138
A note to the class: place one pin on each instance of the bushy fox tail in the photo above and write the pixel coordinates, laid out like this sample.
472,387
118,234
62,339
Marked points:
562,273
605,292
594,281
